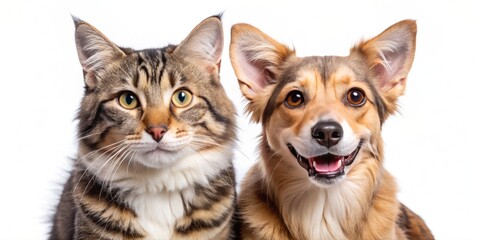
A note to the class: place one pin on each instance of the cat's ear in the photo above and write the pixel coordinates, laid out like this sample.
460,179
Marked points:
389,57
204,43
257,59
94,50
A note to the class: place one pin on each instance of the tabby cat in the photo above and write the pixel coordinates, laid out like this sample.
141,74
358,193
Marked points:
156,134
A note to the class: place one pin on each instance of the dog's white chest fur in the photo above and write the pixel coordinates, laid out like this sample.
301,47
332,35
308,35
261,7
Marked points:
321,211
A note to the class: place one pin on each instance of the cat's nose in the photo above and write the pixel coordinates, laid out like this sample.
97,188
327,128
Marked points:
157,132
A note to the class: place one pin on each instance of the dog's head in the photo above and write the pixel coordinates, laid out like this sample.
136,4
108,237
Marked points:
323,112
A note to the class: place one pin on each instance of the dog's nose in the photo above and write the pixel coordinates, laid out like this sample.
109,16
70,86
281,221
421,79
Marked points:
327,133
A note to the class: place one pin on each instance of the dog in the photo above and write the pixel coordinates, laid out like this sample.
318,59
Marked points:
321,174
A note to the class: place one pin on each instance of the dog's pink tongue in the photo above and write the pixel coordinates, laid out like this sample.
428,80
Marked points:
327,166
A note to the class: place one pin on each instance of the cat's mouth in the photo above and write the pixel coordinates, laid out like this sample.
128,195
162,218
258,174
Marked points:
157,156
327,166
158,150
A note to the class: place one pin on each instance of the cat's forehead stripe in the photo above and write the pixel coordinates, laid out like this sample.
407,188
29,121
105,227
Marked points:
153,63
142,76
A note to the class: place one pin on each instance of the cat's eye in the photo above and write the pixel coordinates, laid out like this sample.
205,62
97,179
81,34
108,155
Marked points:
128,100
182,98
356,97
294,99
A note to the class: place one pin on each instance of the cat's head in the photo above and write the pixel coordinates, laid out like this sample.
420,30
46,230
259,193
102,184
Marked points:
153,107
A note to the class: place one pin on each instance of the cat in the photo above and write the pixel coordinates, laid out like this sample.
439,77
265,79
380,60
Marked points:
156,134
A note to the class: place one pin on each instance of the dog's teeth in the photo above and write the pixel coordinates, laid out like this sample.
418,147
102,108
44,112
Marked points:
339,164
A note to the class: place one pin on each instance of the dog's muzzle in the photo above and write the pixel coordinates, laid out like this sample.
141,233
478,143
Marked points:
326,167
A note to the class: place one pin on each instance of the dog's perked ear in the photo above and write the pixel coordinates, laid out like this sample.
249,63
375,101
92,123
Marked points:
256,59
389,56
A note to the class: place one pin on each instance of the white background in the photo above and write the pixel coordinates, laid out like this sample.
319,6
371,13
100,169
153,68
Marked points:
431,145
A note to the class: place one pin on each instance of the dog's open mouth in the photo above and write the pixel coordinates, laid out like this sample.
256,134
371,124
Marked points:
327,166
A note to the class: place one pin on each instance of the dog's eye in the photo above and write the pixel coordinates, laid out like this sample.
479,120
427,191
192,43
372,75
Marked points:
356,97
294,99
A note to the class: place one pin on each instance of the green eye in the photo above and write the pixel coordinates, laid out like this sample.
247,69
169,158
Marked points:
128,100
181,98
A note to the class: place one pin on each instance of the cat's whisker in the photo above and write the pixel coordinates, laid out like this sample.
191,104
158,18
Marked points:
128,152
203,143
83,159
87,169
102,148
111,166
222,179
214,142
129,156
119,163
135,169
82,136
107,162
133,152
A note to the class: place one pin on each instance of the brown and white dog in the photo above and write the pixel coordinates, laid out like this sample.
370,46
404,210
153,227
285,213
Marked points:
321,174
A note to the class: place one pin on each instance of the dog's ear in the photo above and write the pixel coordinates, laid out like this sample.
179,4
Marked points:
390,56
256,59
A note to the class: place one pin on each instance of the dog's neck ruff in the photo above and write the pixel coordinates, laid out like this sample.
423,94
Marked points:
319,213
314,212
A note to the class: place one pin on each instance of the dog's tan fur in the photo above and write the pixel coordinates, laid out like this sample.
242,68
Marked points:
278,200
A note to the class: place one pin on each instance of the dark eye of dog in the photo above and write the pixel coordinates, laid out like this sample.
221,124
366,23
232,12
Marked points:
294,99
356,97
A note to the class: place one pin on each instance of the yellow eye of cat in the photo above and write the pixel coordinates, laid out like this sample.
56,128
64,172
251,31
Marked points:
128,100
182,98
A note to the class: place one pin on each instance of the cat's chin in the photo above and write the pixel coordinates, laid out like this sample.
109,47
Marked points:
158,158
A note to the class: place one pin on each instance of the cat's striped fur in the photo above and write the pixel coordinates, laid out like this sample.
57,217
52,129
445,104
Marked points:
156,132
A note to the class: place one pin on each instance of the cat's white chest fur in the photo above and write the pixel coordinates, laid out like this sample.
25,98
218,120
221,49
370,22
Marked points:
157,212
159,196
